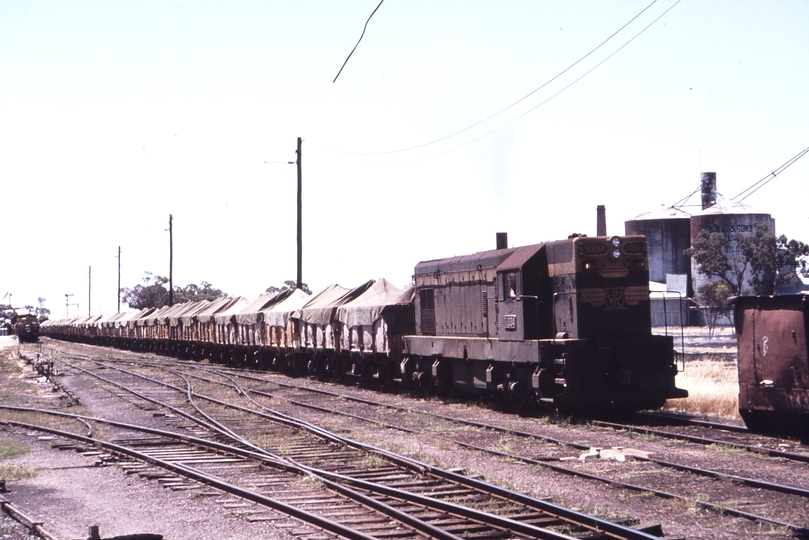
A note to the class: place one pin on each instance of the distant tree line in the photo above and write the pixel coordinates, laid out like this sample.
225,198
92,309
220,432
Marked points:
289,285
154,293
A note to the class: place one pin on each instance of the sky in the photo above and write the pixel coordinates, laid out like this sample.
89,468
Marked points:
450,122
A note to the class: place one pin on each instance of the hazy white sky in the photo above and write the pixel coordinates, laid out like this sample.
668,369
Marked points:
115,114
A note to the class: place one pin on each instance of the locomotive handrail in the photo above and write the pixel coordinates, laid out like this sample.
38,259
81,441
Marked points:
681,353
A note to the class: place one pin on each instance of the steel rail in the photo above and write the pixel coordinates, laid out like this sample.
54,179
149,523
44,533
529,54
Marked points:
579,446
564,513
695,470
715,507
791,456
448,475
28,522
776,487
260,453
423,468
770,486
692,421
434,532
187,472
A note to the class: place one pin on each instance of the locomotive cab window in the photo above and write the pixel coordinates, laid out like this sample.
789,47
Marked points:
510,285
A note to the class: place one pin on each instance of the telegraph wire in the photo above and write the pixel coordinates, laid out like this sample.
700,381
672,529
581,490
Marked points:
541,103
755,187
358,41
527,95
681,202
764,181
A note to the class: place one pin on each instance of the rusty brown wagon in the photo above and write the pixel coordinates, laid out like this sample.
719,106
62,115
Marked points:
773,364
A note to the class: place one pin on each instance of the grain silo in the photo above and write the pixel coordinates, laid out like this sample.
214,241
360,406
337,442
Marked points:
668,232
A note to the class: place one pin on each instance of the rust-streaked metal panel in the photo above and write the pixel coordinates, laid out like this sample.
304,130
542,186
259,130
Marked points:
772,350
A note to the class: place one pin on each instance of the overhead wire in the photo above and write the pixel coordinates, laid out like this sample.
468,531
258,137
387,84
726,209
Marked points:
364,28
548,99
756,185
681,202
503,110
764,181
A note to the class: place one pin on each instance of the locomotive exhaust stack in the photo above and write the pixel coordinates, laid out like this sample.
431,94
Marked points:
502,240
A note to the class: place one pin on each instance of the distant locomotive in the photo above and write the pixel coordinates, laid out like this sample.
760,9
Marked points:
773,362
26,327
565,323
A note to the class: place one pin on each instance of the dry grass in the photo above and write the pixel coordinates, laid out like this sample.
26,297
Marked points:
10,449
713,389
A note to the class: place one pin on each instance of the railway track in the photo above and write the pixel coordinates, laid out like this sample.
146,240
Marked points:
715,475
266,386
437,503
706,433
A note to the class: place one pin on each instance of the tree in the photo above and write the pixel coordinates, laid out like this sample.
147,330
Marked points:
771,262
153,293
709,250
774,262
42,312
194,293
289,285
713,296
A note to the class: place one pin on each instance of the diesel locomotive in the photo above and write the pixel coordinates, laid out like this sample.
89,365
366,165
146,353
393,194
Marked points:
26,327
566,323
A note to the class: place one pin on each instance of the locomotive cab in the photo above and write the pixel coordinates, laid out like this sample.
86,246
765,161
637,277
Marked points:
523,296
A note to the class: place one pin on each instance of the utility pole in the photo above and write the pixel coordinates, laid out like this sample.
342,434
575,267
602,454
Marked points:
67,304
119,279
89,289
171,262
300,227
